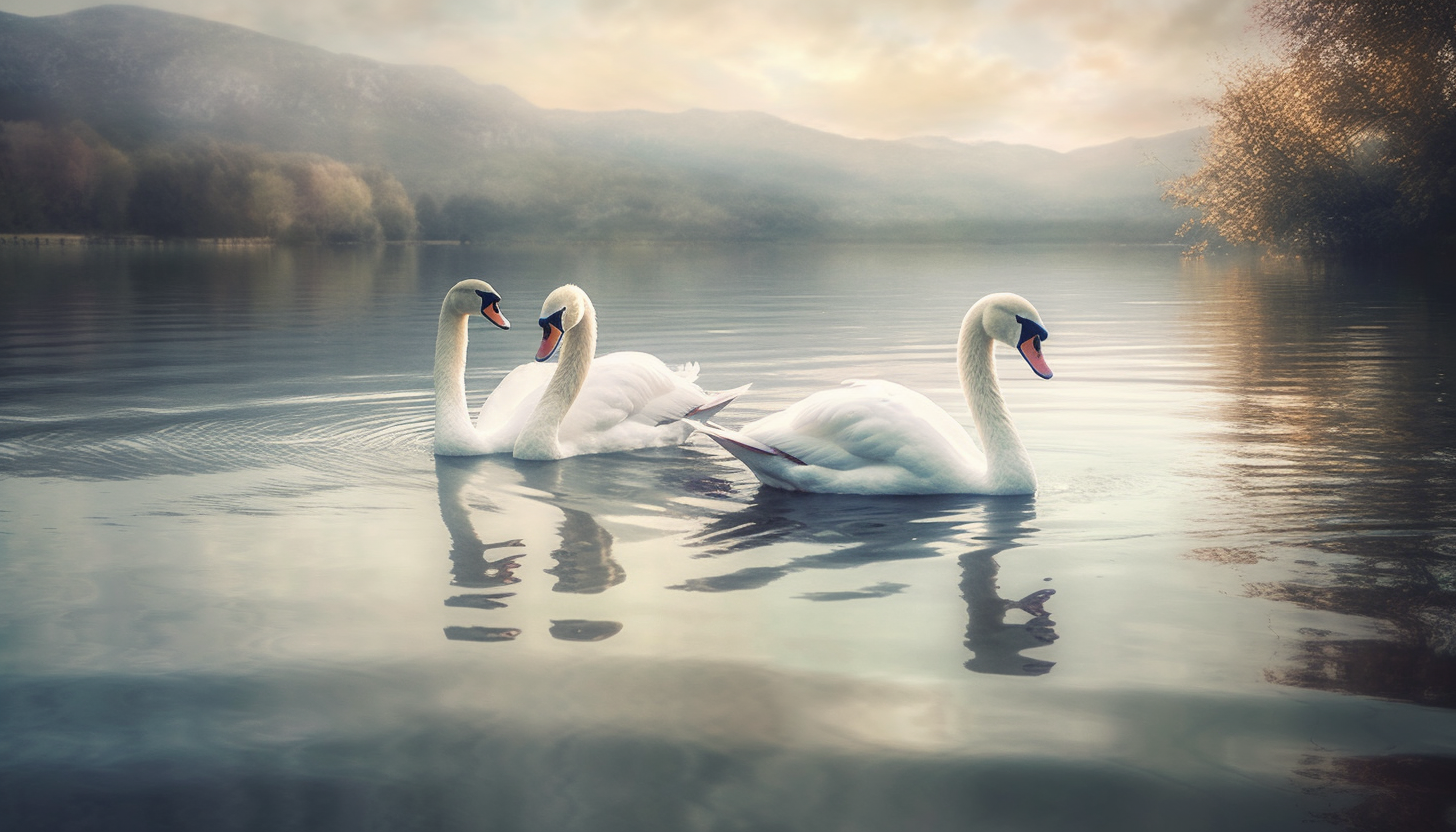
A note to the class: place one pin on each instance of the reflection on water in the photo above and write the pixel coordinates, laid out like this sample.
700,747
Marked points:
481,633
996,643
1414,660
584,563
577,629
224,574
858,531
469,565
1344,440
491,601
1400,792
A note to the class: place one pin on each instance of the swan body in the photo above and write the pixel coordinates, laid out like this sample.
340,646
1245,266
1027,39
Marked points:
621,401
877,437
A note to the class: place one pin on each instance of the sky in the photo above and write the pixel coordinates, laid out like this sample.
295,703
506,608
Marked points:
1055,73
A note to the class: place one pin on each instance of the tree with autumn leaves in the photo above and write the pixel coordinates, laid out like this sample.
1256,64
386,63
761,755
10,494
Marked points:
1346,145
67,178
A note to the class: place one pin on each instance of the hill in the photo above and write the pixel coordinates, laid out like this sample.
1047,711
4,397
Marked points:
498,164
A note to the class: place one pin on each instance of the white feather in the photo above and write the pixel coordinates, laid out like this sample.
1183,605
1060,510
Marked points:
877,437
622,401
626,400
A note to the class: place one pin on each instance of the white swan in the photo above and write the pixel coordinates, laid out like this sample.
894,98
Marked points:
618,402
876,437
455,435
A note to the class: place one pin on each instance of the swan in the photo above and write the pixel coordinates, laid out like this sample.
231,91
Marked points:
621,401
455,434
877,437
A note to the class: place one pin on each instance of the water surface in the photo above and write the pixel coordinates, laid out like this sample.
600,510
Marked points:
237,591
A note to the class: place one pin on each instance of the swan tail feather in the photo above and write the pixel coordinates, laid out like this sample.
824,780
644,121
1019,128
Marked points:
738,443
688,371
716,402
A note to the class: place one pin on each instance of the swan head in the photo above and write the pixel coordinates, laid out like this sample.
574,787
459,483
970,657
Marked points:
468,296
1012,320
562,310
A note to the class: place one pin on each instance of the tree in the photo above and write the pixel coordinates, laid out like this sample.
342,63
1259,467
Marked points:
431,221
334,204
63,178
1347,145
468,218
69,178
392,206
197,189
272,202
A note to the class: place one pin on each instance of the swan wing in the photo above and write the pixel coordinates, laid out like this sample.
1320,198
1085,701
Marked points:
509,405
630,400
867,437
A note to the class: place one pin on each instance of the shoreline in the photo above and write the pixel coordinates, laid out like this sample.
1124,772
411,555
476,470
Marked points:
62,240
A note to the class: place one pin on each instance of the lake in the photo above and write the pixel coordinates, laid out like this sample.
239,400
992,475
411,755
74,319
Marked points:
238,591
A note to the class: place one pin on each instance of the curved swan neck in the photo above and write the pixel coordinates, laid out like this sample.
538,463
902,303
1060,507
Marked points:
1008,466
540,438
452,417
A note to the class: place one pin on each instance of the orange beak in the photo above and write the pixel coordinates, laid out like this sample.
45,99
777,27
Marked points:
550,340
493,314
490,308
1030,349
551,331
1029,345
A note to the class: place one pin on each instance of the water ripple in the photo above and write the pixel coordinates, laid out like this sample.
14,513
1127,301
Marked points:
347,436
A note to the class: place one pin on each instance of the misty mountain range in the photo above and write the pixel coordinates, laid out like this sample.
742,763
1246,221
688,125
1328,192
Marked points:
142,77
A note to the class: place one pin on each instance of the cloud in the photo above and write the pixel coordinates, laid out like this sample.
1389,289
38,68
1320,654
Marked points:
1055,72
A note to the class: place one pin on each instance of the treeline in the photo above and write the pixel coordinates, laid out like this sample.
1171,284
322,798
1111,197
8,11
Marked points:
67,178
553,198
70,179
1347,144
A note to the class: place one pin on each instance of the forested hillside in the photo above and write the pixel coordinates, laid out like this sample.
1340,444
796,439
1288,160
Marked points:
221,114
69,179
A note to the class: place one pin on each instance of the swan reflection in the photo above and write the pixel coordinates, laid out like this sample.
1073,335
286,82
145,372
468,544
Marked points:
634,487
865,530
490,601
996,643
482,633
879,590
584,562
576,629
860,529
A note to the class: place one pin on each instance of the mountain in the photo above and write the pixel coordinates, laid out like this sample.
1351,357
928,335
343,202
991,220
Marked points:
142,77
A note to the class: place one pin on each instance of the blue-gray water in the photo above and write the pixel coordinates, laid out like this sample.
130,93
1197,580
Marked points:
238,592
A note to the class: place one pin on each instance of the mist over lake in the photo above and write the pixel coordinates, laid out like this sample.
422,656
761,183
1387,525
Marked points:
123,119
237,590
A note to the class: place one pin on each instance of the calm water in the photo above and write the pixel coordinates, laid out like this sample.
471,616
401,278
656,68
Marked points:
238,592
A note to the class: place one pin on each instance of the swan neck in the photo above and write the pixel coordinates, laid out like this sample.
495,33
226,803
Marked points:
1008,466
540,439
452,416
